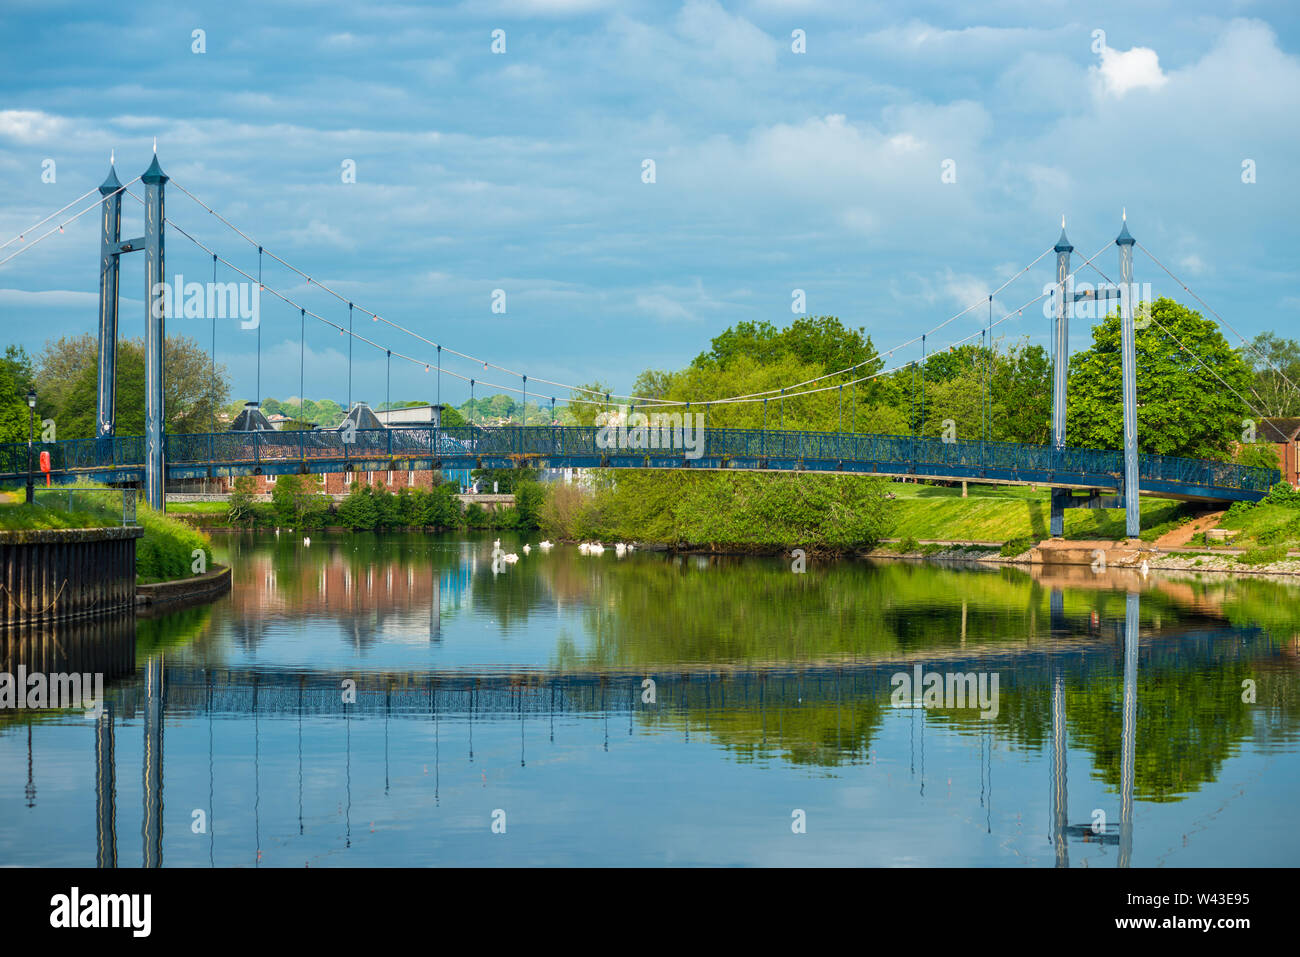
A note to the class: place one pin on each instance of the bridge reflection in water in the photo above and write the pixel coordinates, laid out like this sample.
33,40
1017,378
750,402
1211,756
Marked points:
1060,679
540,697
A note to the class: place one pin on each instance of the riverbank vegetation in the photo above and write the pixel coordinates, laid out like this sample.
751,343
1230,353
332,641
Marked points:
1010,513
165,552
722,511
1271,524
745,510
299,502
1000,392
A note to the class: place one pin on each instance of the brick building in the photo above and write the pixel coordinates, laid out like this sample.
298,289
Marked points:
1285,435
360,416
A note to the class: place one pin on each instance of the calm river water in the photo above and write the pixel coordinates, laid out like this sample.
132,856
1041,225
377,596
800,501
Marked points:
396,701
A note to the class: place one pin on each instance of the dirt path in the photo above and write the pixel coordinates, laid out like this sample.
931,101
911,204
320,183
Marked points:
1185,533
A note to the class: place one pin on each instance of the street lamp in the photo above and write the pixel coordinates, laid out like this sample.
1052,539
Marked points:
31,437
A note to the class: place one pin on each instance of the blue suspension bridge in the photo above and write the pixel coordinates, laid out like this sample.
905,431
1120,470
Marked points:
1109,478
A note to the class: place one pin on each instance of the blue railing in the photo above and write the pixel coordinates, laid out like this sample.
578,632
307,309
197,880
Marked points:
561,445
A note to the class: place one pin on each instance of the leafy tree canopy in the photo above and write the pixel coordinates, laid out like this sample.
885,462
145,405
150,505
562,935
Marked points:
1183,408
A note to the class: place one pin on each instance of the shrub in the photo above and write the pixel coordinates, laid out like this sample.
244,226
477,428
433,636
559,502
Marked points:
241,511
1284,494
1017,546
561,511
166,551
1262,556
297,500
440,508
1261,455
358,511
528,504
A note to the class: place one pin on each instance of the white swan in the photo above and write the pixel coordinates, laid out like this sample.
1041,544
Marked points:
544,546
595,548
583,548
527,549
307,541
620,549
510,559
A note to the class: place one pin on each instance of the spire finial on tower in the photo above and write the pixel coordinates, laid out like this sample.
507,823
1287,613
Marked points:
1063,244
111,183
1125,238
154,173
112,157
155,149
1124,214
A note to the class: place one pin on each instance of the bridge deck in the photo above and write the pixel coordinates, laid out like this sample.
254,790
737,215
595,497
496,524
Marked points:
121,458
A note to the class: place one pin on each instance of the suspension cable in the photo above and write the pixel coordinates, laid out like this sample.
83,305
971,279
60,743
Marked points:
1222,321
1185,348
59,228
582,389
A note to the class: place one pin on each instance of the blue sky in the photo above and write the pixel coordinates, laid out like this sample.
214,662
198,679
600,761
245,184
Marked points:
522,171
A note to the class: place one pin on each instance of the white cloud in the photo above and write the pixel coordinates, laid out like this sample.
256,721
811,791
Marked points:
30,126
1135,69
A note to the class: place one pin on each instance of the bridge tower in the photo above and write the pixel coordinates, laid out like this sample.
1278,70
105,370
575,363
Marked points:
156,299
1060,372
1065,298
111,248
1128,373
110,240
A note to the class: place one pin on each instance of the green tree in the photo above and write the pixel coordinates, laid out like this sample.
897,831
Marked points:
358,510
528,504
1275,363
191,394
62,363
1183,409
586,404
1258,454
15,380
240,511
451,417
1020,384
298,501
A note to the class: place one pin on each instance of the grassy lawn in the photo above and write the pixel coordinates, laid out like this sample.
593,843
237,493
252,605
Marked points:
1264,525
20,516
166,552
197,508
1008,513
